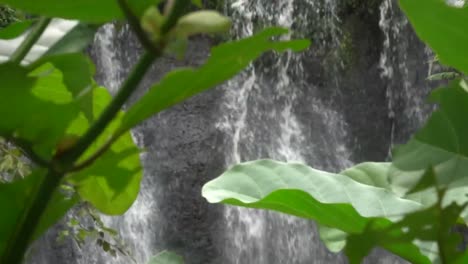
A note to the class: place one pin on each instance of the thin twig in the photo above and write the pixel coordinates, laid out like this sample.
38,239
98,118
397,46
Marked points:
27,150
23,50
135,25
130,85
88,162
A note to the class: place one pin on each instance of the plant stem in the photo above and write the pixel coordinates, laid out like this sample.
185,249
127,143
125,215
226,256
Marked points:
177,11
134,23
30,218
130,85
30,40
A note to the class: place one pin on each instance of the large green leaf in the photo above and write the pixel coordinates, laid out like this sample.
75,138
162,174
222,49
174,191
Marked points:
35,107
77,71
443,27
85,10
333,200
441,143
166,257
16,197
112,182
225,62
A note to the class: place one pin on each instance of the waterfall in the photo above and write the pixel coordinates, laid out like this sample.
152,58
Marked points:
261,122
359,89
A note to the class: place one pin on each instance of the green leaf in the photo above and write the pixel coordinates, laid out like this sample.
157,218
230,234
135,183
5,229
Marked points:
442,27
15,197
383,233
112,182
46,108
166,257
76,40
441,143
15,29
333,200
77,71
85,10
225,62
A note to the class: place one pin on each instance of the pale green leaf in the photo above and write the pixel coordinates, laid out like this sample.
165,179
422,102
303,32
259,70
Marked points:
333,200
202,22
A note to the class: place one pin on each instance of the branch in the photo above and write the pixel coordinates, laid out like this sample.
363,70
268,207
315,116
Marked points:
30,40
177,11
30,218
96,155
27,150
130,85
135,25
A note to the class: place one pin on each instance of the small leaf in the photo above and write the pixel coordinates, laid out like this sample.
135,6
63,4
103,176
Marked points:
166,257
15,29
202,22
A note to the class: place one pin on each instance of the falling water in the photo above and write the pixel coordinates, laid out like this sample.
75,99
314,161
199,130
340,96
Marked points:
355,92
262,124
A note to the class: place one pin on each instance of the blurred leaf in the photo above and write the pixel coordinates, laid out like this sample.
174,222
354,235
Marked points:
166,257
76,40
112,182
442,27
224,63
15,29
444,76
441,143
85,10
198,3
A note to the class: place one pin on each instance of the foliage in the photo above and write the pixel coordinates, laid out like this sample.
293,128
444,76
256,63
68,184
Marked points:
75,132
409,206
